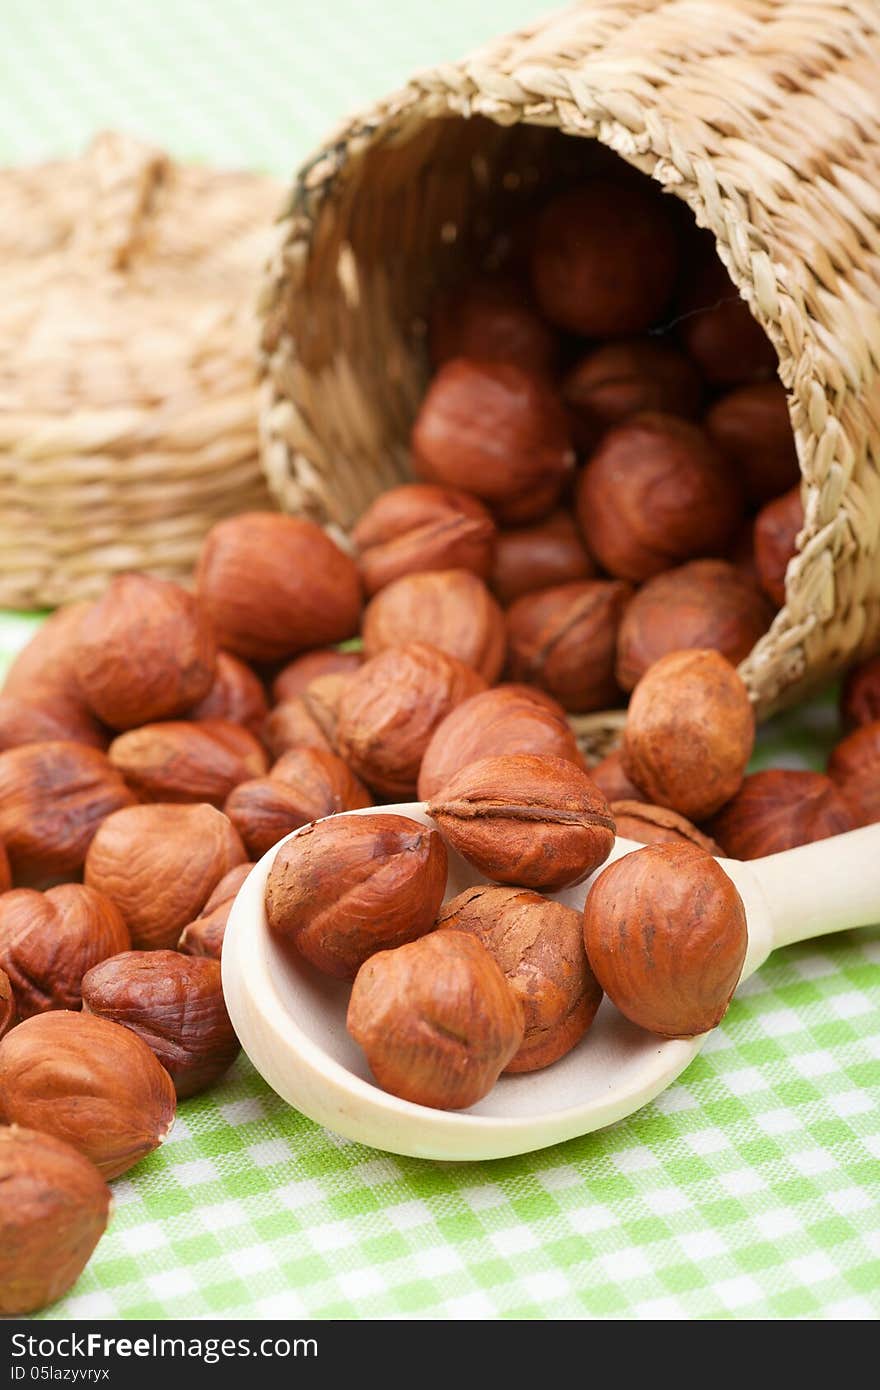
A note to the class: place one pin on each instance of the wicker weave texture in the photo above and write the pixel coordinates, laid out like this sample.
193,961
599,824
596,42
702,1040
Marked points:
127,384
763,115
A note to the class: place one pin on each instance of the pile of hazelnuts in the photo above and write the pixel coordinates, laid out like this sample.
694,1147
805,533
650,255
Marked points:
608,502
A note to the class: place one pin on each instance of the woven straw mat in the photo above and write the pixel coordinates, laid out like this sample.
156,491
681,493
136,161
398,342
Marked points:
763,115
127,394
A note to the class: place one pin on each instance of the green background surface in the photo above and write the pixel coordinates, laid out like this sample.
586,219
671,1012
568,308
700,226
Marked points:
749,1189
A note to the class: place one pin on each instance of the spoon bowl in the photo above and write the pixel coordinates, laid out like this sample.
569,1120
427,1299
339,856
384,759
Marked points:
290,1018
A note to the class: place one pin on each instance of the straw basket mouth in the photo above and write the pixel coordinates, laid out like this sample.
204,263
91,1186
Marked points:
436,180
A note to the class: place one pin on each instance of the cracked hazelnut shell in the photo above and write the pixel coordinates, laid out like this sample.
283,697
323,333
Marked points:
536,822
418,527
390,709
159,864
689,733
777,527
665,933
450,609
563,640
507,719
498,432
49,941
778,810
347,887
276,585
55,1209
145,651
707,603
437,1020
655,493
305,784
204,935
89,1083
539,944
175,1004
182,761
53,798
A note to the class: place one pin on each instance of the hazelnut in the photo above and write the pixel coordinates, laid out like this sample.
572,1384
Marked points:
752,429
48,941
237,695
55,1209
779,809
605,258
533,821
175,1003
8,1011
298,674
389,711
178,761
860,697
715,326
496,431
665,932
539,945
855,766
437,1020
707,603
491,320
657,825
276,585
145,652
564,640
159,864
533,557
622,379
655,493
508,719
450,609
689,733
5,870
420,527
204,935
308,720
777,527
88,1082
47,665
343,889
53,797
612,781
53,717
305,784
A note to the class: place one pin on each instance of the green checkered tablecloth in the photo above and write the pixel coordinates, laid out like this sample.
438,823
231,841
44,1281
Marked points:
750,1189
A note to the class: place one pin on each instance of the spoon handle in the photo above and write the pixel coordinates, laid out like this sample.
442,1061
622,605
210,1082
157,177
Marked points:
829,886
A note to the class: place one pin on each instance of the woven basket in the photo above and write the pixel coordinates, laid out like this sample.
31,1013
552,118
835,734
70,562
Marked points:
127,392
762,115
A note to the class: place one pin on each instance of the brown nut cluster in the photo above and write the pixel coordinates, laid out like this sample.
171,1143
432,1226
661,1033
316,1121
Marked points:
778,810
657,825
55,1209
539,945
707,604
665,933
304,785
689,733
343,889
656,493
390,709
508,719
497,431
563,640
536,822
180,761
88,1082
450,609
49,941
159,864
547,553
420,527
622,379
437,1020
204,935
175,1004
854,766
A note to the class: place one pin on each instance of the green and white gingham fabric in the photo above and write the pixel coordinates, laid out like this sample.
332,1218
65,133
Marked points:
750,1189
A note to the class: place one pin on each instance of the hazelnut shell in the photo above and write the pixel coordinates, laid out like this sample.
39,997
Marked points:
539,556
451,609
293,678
237,695
778,810
181,761
657,825
420,527
491,320
48,941
304,785
204,935
751,427
777,527
564,640
854,766
618,380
